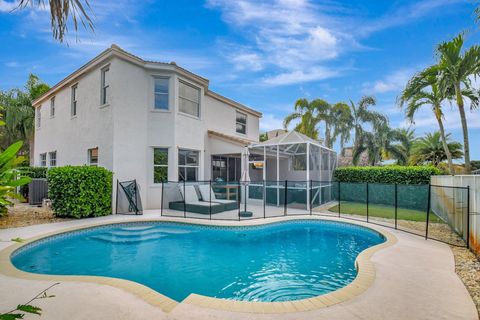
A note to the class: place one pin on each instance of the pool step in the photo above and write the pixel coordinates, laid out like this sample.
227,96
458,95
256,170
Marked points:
126,240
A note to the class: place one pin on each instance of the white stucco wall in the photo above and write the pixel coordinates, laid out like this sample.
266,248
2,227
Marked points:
128,128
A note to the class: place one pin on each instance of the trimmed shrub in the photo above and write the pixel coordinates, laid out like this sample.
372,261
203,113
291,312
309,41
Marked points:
387,174
34,172
80,192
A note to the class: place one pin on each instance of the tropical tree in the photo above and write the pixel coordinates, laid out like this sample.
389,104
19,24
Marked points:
429,149
365,140
455,71
19,114
399,144
61,11
309,114
423,90
338,124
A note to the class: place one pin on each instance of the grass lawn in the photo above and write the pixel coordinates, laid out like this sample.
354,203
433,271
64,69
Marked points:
383,211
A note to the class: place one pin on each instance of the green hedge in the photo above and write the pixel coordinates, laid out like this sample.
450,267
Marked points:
34,172
387,174
80,192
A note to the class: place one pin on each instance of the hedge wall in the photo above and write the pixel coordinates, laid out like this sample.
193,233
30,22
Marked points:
388,174
34,172
80,192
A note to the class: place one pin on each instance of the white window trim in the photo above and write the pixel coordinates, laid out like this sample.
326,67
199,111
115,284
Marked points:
52,107
199,100
198,166
246,122
153,109
103,95
50,159
88,157
74,88
159,165
43,155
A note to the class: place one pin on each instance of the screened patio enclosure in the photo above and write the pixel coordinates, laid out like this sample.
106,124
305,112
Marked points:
291,169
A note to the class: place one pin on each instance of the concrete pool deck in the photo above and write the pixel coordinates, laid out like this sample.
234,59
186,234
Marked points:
414,279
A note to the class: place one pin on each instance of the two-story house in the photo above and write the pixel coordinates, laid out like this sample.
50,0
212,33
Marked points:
143,120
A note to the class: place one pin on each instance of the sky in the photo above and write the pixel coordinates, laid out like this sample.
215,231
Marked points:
265,54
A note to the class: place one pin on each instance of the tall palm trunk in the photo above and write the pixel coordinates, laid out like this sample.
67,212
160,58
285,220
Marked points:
444,140
463,119
328,139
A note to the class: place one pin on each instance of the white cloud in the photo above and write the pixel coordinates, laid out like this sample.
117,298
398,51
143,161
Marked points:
249,61
393,82
270,122
299,76
7,6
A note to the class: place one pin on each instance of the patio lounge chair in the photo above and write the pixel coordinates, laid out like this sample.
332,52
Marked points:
193,204
206,191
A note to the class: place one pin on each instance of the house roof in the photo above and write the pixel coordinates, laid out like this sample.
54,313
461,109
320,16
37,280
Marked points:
230,138
116,51
290,137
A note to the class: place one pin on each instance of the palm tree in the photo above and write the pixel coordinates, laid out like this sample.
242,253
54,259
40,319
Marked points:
342,121
455,70
19,114
365,140
429,149
60,11
423,90
402,149
310,115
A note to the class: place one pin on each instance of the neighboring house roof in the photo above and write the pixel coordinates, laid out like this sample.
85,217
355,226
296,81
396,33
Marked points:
116,51
230,138
476,171
291,137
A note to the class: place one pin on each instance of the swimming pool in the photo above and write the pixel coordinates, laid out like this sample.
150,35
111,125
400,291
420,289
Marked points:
275,262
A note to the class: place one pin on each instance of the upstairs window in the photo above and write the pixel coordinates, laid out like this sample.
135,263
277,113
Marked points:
189,99
39,117
241,123
43,159
160,165
93,157
52,107
105,81
53,158
188,165
161,94
74,101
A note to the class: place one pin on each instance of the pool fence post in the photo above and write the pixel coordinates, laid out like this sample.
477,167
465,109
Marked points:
428,210
468,217
161,199
285,198
264,198
239,191
245,200
366,190
396,205
310,199
116,200
184,201
210,198
339,183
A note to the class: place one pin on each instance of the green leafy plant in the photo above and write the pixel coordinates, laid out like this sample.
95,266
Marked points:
9,176
387,174
20,311
17,239
80,191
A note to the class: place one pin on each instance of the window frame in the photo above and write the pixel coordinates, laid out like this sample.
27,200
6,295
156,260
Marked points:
237,112
39,117
50,159
52,107
104,86
89,157
186,165
199,113
154,107
159,165
74,100
43,159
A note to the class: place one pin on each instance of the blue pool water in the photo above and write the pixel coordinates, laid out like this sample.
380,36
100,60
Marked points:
276,262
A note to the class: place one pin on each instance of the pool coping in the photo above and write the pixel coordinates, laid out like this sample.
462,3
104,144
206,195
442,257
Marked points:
363,280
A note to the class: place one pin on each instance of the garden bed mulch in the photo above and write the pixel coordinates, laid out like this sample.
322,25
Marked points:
467,267
22,215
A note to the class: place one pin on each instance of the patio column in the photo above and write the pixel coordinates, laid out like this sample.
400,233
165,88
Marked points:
308,176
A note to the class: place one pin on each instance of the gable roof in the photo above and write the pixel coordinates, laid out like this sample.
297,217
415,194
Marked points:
290,137
116,51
